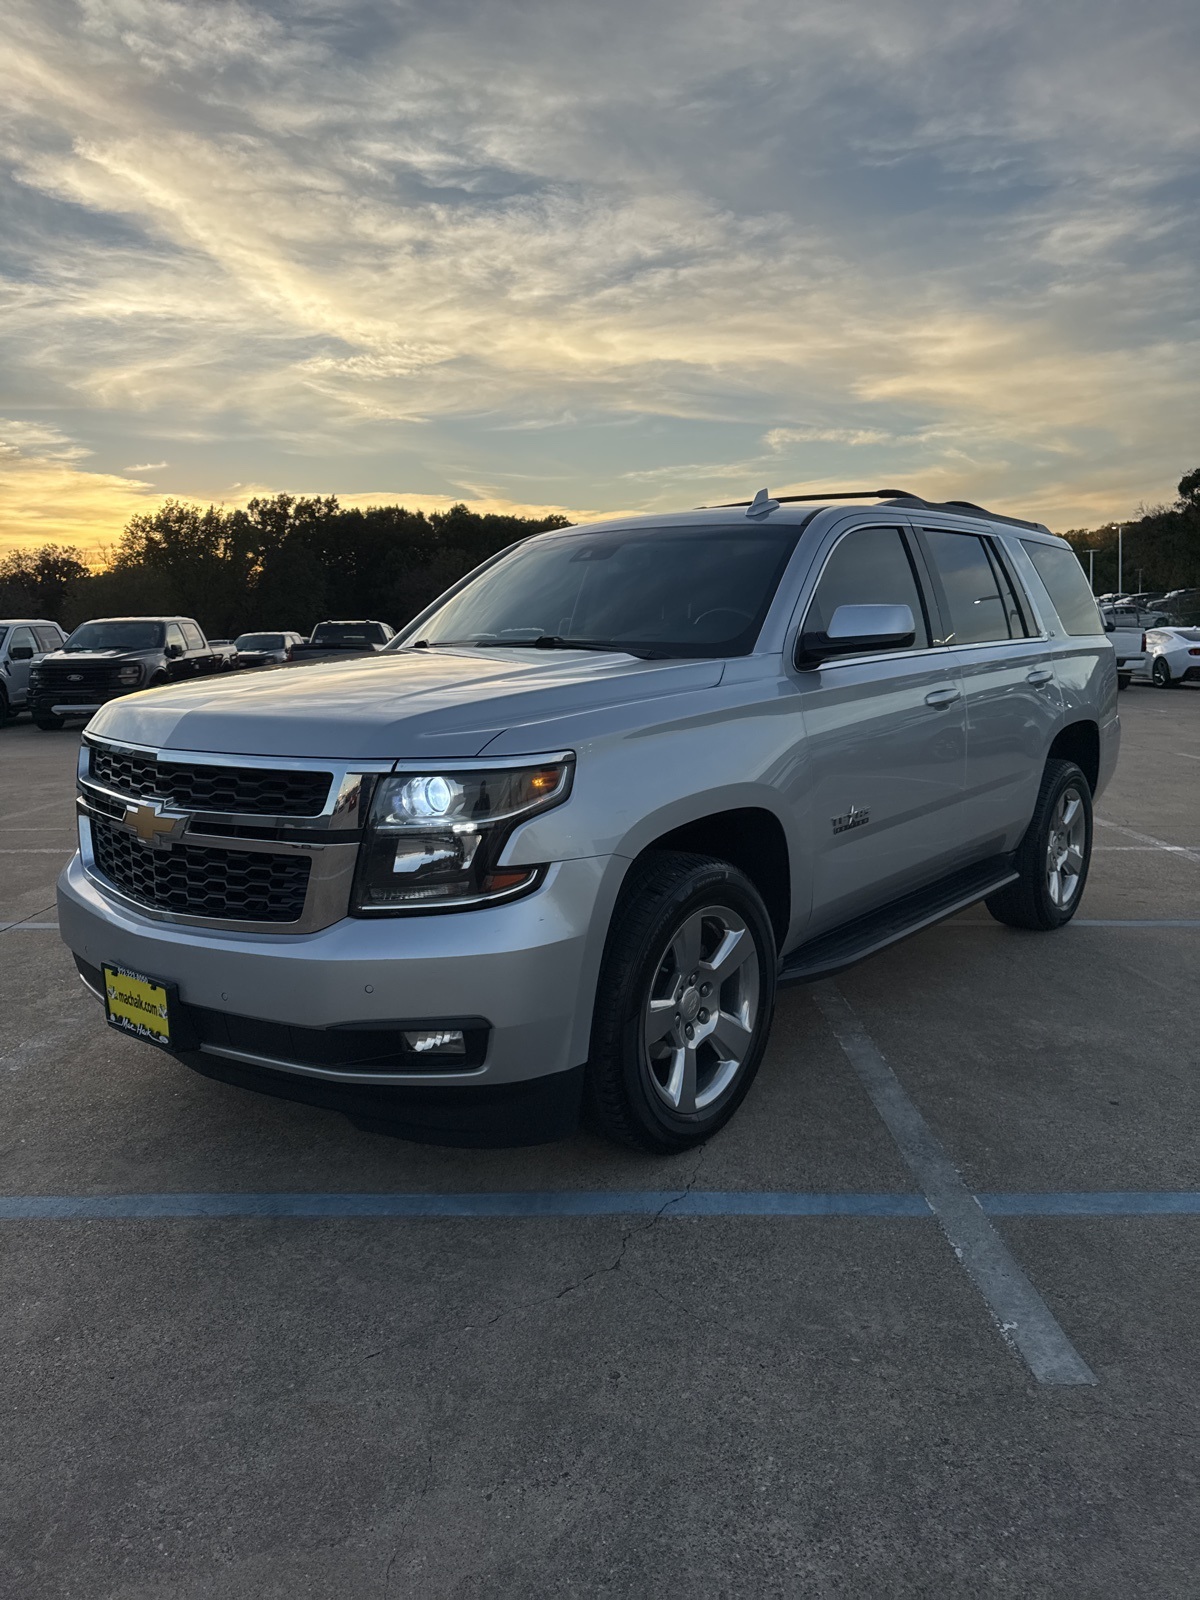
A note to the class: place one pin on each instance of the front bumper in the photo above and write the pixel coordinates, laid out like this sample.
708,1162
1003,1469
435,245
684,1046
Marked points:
525,970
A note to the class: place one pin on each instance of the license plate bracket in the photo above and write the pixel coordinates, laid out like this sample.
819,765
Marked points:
143,1007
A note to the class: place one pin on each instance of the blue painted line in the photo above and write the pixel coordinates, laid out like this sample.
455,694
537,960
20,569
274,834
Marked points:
1103,1203
583,1203
562,1203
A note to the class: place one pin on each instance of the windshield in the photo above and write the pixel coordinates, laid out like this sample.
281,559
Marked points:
258,641
116,636
656,591
347,633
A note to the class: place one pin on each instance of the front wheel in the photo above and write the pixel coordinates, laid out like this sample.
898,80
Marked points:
1161,673
1054,855
50,724
684,1003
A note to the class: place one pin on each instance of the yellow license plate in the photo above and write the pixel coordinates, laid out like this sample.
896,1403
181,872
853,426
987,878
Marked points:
136,1004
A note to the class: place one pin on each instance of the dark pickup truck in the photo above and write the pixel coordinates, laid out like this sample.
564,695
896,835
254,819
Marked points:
112,656
343,638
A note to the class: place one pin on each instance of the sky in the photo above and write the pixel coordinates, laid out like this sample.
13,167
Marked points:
636,255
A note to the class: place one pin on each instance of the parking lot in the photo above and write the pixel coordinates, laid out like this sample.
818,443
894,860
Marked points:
922,1320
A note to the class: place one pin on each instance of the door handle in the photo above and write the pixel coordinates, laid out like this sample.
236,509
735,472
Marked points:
942,697
1039,675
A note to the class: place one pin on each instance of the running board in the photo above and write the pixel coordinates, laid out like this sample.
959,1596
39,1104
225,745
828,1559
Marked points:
842,947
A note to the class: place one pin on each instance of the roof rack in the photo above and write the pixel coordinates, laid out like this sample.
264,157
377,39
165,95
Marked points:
960,508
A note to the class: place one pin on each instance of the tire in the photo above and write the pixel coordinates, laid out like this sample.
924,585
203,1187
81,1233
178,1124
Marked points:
50,724
656,1075
1047,895
1124,679
6,713
1160,672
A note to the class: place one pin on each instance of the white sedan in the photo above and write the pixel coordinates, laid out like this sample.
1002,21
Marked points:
1172,657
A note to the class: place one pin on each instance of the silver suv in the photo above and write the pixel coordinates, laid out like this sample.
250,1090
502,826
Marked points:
557,846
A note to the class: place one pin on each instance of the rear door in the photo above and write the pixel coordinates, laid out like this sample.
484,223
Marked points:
885,737
1013,703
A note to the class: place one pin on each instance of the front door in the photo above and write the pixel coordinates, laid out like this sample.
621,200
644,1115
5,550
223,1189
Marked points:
885,739
18,667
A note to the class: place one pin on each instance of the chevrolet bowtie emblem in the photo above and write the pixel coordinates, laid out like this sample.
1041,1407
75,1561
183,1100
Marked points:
151,825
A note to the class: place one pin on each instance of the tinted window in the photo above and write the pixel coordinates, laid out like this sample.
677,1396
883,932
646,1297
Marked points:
1067,587
195,639
349,633
116,636
3,631
22,639
48,638
698,591
869,567
978,610
260,641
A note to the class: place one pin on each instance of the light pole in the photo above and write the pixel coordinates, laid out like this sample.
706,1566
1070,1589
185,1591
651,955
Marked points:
1120,532
1091,555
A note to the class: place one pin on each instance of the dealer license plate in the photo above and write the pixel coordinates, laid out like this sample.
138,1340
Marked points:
138,1005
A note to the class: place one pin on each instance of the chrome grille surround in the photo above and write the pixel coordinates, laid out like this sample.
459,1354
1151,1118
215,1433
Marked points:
327,841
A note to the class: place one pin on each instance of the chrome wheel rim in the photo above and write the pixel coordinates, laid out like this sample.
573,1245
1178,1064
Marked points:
700,1014
1065,847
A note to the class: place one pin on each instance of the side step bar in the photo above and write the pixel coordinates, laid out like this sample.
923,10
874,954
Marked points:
842,947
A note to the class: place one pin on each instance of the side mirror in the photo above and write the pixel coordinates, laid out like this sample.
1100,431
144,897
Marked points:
173,652
21,652
857,631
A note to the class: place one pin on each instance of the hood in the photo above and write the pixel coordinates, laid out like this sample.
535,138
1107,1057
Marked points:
406,704
91,658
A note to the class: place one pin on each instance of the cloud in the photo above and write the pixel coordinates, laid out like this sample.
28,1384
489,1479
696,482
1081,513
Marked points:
333,248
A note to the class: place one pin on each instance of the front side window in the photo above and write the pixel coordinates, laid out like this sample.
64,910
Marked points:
1067,587
869,567
689,591
978,611
175,637
135,635
22,639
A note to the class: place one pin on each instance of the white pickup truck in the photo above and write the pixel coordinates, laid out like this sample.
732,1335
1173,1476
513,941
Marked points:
1124,628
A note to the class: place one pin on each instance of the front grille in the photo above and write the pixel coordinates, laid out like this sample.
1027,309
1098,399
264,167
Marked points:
74,685
248,791
198,881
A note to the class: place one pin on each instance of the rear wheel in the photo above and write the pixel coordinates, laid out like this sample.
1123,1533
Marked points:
1054,855
1161,673
684,1002
1124,679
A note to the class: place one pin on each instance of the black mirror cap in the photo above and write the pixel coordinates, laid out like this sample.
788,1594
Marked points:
21,652
817,647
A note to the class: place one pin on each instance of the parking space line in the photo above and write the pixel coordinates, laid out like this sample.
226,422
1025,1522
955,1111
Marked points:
40,850
1149,839
1023,1317
566,1203
516,1203
1101,1203
31,927
1092,922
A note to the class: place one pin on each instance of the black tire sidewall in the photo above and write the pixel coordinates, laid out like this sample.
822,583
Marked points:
713,883
1160,674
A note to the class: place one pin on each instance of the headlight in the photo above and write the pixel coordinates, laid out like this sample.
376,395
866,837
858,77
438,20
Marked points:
130,674
433,838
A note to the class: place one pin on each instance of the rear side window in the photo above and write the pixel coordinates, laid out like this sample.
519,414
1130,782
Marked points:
979,601
48,638
1067,587
195,639
869,567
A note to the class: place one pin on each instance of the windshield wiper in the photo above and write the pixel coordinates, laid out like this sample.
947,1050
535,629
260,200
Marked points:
555,641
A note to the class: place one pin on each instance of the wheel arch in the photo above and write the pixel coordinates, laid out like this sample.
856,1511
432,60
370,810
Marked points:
1079,742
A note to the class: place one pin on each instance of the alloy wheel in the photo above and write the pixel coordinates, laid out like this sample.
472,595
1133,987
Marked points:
1065,847
700,1015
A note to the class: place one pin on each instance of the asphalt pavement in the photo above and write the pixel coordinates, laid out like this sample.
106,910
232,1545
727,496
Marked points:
249,1350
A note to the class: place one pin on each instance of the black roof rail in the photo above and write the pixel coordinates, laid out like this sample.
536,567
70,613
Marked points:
960,508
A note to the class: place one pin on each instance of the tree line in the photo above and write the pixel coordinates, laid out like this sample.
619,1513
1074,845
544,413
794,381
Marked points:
1160,547
288,561
282,562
